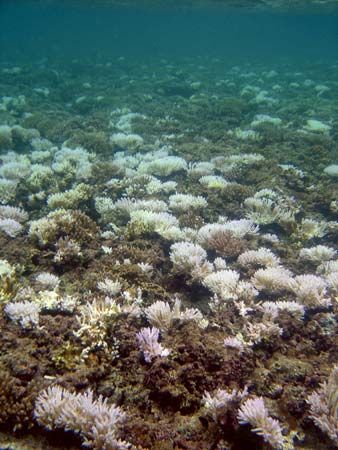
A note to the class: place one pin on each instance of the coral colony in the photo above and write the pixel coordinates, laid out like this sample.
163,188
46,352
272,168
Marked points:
167,282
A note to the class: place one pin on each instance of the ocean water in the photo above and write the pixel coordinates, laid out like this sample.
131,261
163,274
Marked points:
168,224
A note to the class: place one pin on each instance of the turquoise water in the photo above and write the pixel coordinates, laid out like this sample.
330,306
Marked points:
168,225
74,29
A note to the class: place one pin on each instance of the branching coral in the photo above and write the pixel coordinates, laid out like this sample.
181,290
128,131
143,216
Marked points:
95,421
254,412
324,406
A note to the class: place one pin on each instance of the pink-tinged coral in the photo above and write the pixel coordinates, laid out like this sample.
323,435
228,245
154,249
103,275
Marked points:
222,401
324,406
254,412
235,343
148,342
95,421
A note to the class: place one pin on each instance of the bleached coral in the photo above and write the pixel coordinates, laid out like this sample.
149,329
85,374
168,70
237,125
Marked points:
163,223
254,412
235,343
161,315
69,199
255,333
328,267
332,281
272,309
73,161
148,342
95,421
11,227
51,300
93,321
201,168
223,401
146,267
48,280
14,213
318,254
6,269
214,182
238,228
223,283
110,287
7,190
263,210
190,259
26,313
184,202
310,290
310,228
316,126
128,141
324,406
67,250
261,257
15,169
272,279
163,167
155,186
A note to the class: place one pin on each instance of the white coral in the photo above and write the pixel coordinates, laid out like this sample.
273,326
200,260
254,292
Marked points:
190,259
95,421
254,412
148,342
310,290
223,283
161,315
324,406
184,202
261,257
26,313
318,254
48,280
272,279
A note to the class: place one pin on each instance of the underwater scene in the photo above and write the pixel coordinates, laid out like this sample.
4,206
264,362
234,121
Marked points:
168,225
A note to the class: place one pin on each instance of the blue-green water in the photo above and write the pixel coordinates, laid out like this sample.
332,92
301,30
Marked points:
58,30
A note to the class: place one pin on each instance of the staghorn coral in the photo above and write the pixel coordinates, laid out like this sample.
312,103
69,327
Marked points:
223,283
161,316
93,320
11,227
272,279
324,406
26,314
148,342
254,412
95,421
48,280
317,254
261,257
60,224
182,202
190,259
222,402
310,290
226,244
